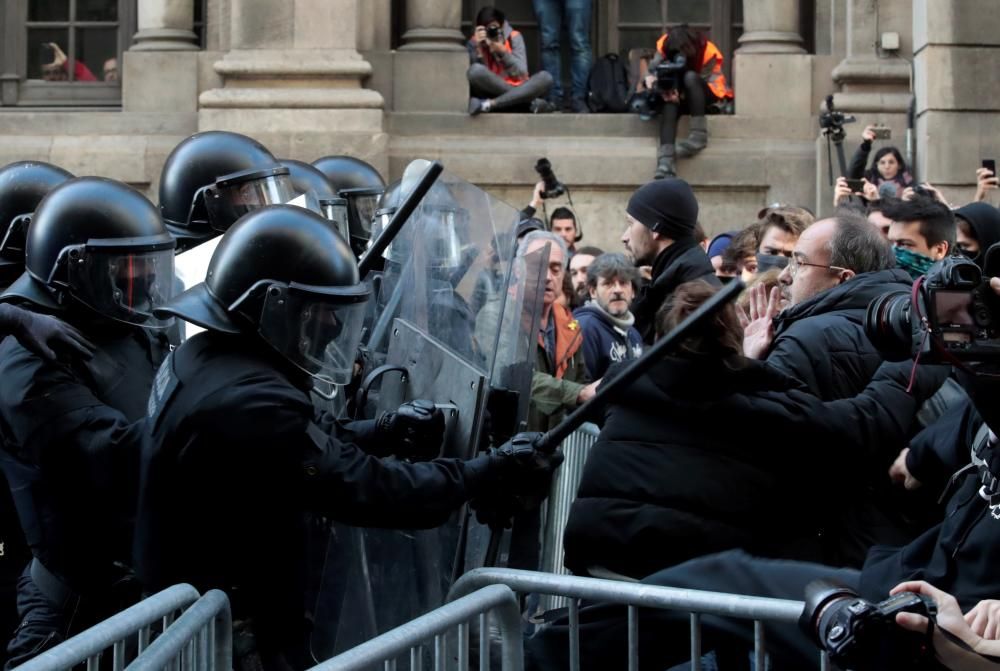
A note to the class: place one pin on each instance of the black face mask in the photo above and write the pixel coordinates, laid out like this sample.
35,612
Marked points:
725,279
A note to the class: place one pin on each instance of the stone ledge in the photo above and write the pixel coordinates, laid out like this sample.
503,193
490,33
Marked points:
291,98
110,122
297,63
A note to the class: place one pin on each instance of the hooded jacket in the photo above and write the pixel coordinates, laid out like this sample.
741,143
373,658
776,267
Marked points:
681,262
821,341
511,63
704,454
985,222
604,341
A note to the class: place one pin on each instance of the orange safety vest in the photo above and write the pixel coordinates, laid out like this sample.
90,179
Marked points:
711,67
498,68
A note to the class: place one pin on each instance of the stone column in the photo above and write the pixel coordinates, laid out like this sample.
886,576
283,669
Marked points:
956,45
771,27
872,82
165,25
429,68
292,78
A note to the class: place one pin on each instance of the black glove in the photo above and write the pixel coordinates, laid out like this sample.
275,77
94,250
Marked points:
522,477
414,431
45,336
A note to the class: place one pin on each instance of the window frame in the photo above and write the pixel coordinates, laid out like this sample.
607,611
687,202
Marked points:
16,90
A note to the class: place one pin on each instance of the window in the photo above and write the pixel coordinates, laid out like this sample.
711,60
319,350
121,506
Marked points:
64,52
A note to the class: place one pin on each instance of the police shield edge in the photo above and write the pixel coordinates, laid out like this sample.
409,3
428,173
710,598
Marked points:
458,313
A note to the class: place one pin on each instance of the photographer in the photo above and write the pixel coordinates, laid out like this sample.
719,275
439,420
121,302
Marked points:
887,166
498,70
699,85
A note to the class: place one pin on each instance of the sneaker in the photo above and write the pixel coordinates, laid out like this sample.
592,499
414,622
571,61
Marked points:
542,106
579,106
477,106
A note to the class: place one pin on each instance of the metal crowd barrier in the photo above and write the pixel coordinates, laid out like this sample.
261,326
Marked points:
200,640
116,633
385,649
575,449
635,596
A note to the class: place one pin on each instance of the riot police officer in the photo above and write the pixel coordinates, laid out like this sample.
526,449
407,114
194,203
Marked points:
231,425
211,179
362,186
99,257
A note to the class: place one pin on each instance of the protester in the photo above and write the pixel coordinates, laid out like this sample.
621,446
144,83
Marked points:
978,228
887,166
661,217
922,232
608,333
498,70
578,264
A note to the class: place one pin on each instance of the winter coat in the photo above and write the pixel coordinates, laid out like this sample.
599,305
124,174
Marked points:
556,384
604,341
681,262
701,455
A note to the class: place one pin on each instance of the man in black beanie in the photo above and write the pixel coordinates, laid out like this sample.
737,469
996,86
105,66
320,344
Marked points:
661,219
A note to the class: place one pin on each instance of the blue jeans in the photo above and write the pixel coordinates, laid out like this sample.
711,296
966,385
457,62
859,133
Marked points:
551,15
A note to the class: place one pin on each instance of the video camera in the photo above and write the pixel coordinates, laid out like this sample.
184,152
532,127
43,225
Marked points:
669,77
862,635
951,313
832,122
553,187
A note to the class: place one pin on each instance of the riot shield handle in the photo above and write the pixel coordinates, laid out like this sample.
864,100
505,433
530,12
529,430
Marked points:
609,389
399,218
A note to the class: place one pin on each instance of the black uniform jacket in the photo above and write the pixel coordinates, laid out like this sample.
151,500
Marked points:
681,262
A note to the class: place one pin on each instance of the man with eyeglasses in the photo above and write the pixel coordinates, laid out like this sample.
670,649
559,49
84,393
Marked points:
811,327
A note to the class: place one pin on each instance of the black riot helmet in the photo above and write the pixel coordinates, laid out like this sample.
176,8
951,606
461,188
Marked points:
98,243
318,193
213,178
361,185
22,187
283,274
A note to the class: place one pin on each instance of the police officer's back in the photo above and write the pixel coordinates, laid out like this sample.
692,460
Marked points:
233,457
98,255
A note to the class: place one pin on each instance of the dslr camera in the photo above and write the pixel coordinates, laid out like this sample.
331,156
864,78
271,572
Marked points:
861,635
493,32
831,122
669,77
951,313
553,187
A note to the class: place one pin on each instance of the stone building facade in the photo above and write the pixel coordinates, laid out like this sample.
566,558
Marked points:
384,80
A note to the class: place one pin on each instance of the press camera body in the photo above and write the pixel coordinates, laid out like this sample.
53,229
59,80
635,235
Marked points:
493,32
553,187
951,313
862,635
669,77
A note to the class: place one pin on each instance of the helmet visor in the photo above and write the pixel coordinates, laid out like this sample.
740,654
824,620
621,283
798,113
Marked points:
335,211
361,206
235,195
12,239
123,283
316,328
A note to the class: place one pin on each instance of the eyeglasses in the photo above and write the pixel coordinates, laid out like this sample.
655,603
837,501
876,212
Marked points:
794,263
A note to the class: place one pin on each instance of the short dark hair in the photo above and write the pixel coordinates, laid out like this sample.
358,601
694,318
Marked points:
859,246
589,251
744,244
610,266
879,204
562,213
489,13
791,220
937,223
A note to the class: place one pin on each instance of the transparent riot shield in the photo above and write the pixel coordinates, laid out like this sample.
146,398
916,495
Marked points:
458,314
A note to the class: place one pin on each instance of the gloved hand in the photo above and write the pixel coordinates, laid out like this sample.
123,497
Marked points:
414,431
44,335
522,476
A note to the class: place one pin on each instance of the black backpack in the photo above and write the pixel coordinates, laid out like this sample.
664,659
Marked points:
609,90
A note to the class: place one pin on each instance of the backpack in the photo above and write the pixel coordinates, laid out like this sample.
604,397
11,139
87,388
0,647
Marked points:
609,89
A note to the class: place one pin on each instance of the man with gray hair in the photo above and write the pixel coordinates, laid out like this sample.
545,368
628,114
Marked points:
609,334
838,266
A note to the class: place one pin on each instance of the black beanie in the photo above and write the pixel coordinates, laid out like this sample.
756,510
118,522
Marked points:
665,206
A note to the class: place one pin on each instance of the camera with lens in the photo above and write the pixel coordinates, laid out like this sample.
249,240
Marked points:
861,635
832,122
669,77
493,32
553,187
951,313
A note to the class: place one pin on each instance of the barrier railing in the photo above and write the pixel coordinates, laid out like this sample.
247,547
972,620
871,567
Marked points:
635,596
201,639
410,637
116,633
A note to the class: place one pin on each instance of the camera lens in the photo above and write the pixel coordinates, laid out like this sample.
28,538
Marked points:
887,325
